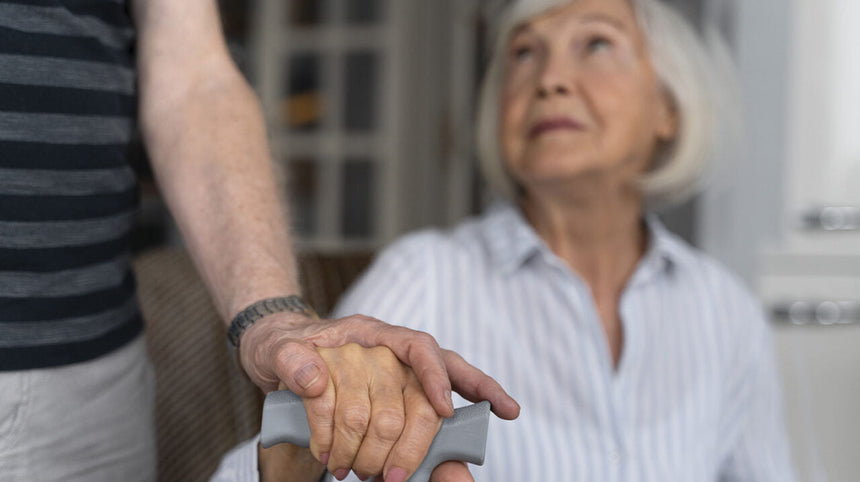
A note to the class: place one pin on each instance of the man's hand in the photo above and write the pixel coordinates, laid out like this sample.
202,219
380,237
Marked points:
282,347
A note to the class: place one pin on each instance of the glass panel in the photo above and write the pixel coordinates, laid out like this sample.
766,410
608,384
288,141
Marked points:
360,89
358,188
307,13
303,106
303,195
363,11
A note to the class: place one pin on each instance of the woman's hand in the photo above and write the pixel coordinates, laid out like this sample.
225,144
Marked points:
452,472
373,417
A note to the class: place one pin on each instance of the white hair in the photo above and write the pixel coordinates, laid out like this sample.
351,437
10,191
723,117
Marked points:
699,81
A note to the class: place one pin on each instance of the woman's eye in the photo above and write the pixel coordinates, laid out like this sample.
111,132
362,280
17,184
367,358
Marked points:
598,44
522,52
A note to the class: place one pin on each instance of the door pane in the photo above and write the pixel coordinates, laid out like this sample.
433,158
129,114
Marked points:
363,11
360,90
303,194
307,13
358,186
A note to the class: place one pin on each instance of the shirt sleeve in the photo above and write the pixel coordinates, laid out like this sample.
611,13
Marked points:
240,464
760,452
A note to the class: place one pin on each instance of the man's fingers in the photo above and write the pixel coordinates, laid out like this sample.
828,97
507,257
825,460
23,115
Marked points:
387,420
475,386
425,358
301,368
422,424
452,472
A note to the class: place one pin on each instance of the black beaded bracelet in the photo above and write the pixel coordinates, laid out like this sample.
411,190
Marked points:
251,314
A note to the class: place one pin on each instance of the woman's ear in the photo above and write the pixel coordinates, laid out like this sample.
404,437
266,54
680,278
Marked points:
668,119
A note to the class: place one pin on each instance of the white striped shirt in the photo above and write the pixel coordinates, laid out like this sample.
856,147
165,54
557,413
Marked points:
695,396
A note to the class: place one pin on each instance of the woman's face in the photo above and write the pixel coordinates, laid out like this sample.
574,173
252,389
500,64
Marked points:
581,97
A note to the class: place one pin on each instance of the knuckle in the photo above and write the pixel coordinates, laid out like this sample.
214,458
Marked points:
426,339
388,425
487,385
289,354
321,410
360,318
354,419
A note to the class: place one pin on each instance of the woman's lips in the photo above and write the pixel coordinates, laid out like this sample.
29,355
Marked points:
558,123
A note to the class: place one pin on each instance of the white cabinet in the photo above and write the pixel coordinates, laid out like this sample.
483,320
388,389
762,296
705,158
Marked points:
824,120
818,344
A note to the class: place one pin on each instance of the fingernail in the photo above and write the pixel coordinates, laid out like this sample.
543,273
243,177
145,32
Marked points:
361,477
341,474
324,458
396,475
307,375
449,399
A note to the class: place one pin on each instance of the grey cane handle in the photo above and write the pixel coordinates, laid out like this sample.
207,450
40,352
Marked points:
462,437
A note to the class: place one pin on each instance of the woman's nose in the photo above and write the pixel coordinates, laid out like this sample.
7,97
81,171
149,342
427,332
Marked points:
548,90
555,80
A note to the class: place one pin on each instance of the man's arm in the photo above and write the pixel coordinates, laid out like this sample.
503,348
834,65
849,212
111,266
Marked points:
204,131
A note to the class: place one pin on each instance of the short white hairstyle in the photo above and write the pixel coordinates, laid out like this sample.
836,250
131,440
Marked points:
699,81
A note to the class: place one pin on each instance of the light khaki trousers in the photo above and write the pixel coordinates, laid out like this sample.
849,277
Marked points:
91,421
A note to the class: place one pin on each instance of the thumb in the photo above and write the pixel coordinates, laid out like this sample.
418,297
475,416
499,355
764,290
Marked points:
301,369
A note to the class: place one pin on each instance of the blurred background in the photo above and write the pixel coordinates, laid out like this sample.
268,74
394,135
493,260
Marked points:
370,107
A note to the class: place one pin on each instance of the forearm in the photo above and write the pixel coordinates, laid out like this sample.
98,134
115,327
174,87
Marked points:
211,159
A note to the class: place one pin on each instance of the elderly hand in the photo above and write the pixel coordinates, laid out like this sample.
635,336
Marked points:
282,347
372,418
452,472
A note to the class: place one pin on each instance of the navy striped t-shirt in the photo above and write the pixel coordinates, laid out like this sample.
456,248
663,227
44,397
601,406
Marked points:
68,104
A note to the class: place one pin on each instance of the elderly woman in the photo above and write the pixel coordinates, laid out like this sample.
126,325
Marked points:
634,356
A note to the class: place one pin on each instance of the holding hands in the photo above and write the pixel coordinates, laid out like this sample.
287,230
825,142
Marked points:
372,417
282,348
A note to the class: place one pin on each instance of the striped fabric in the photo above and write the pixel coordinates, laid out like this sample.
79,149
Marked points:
67,194
695,397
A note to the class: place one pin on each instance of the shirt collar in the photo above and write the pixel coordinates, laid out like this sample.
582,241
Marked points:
512,242
510,239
